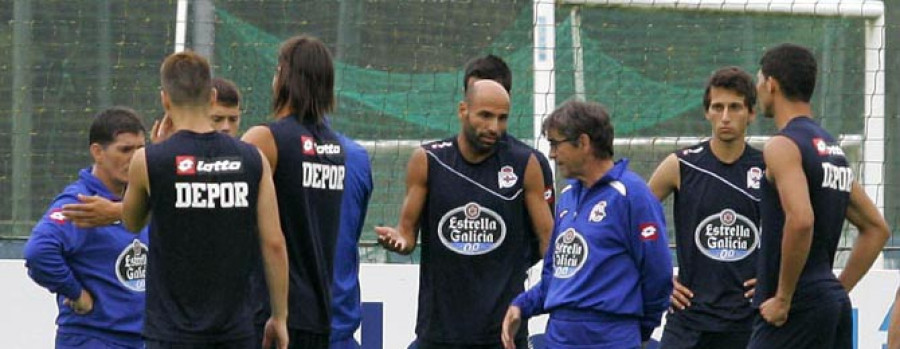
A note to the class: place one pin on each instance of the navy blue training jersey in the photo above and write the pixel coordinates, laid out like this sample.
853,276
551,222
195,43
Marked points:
717,225
203,194
309,182
829,179
474,245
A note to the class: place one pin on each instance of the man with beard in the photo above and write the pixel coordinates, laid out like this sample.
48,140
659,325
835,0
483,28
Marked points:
470,196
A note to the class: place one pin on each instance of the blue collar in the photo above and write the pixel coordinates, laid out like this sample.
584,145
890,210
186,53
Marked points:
614,174
95,186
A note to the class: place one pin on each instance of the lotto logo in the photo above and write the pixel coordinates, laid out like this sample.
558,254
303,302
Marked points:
308,144
185,165
57,216
649,232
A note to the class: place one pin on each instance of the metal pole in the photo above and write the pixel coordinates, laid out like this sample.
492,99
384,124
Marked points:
21,119
104,73
204,27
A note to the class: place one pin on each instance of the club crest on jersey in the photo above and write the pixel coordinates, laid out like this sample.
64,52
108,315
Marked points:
598,212
754,175
570,251
131,266
471,229
507,178
57,216
649,231
726,236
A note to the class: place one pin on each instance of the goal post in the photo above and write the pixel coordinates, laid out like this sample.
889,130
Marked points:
873,136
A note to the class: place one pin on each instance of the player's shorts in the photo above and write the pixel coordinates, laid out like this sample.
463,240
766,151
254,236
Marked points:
678,336
824,324
243,343
424,344
344,343
578,330
79,341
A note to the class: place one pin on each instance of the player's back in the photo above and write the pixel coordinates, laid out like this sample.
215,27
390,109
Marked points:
203,195
309,183
829,179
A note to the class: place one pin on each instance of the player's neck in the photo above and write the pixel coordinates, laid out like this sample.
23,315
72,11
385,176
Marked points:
468,151
195,119
114,187
727,151
789,110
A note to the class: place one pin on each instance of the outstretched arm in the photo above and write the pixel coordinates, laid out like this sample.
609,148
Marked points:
402,239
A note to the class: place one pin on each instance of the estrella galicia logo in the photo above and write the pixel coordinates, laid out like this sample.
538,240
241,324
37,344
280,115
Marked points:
131,266
472,229
569,254
727,236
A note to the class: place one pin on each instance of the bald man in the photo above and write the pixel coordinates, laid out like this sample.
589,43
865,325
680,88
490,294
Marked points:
469,195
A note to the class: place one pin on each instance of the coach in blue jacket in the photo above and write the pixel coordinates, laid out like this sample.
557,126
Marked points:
97,273
607,274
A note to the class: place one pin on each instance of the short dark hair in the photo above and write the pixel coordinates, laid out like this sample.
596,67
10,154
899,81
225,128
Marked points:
794,67
305,80
227,93
734,79
109,123
185,77
575,117
488,67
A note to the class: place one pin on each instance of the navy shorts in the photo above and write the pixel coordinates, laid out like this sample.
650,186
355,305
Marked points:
248,342
678,336
824,324
79,341
563,333
344,343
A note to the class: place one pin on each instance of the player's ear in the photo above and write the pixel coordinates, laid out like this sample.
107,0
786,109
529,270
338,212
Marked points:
164,99
96,152
213,96
462,110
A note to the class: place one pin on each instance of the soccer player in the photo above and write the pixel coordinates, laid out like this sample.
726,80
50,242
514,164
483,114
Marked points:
808,190
472,196
307,162
717,193
494,68
607,274
894,329
211,196
96,273
346,308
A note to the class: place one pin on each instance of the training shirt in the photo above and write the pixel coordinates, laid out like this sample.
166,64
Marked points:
474,245
345,290
203,194
309,182
830,180
608,254
717,232
109,261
